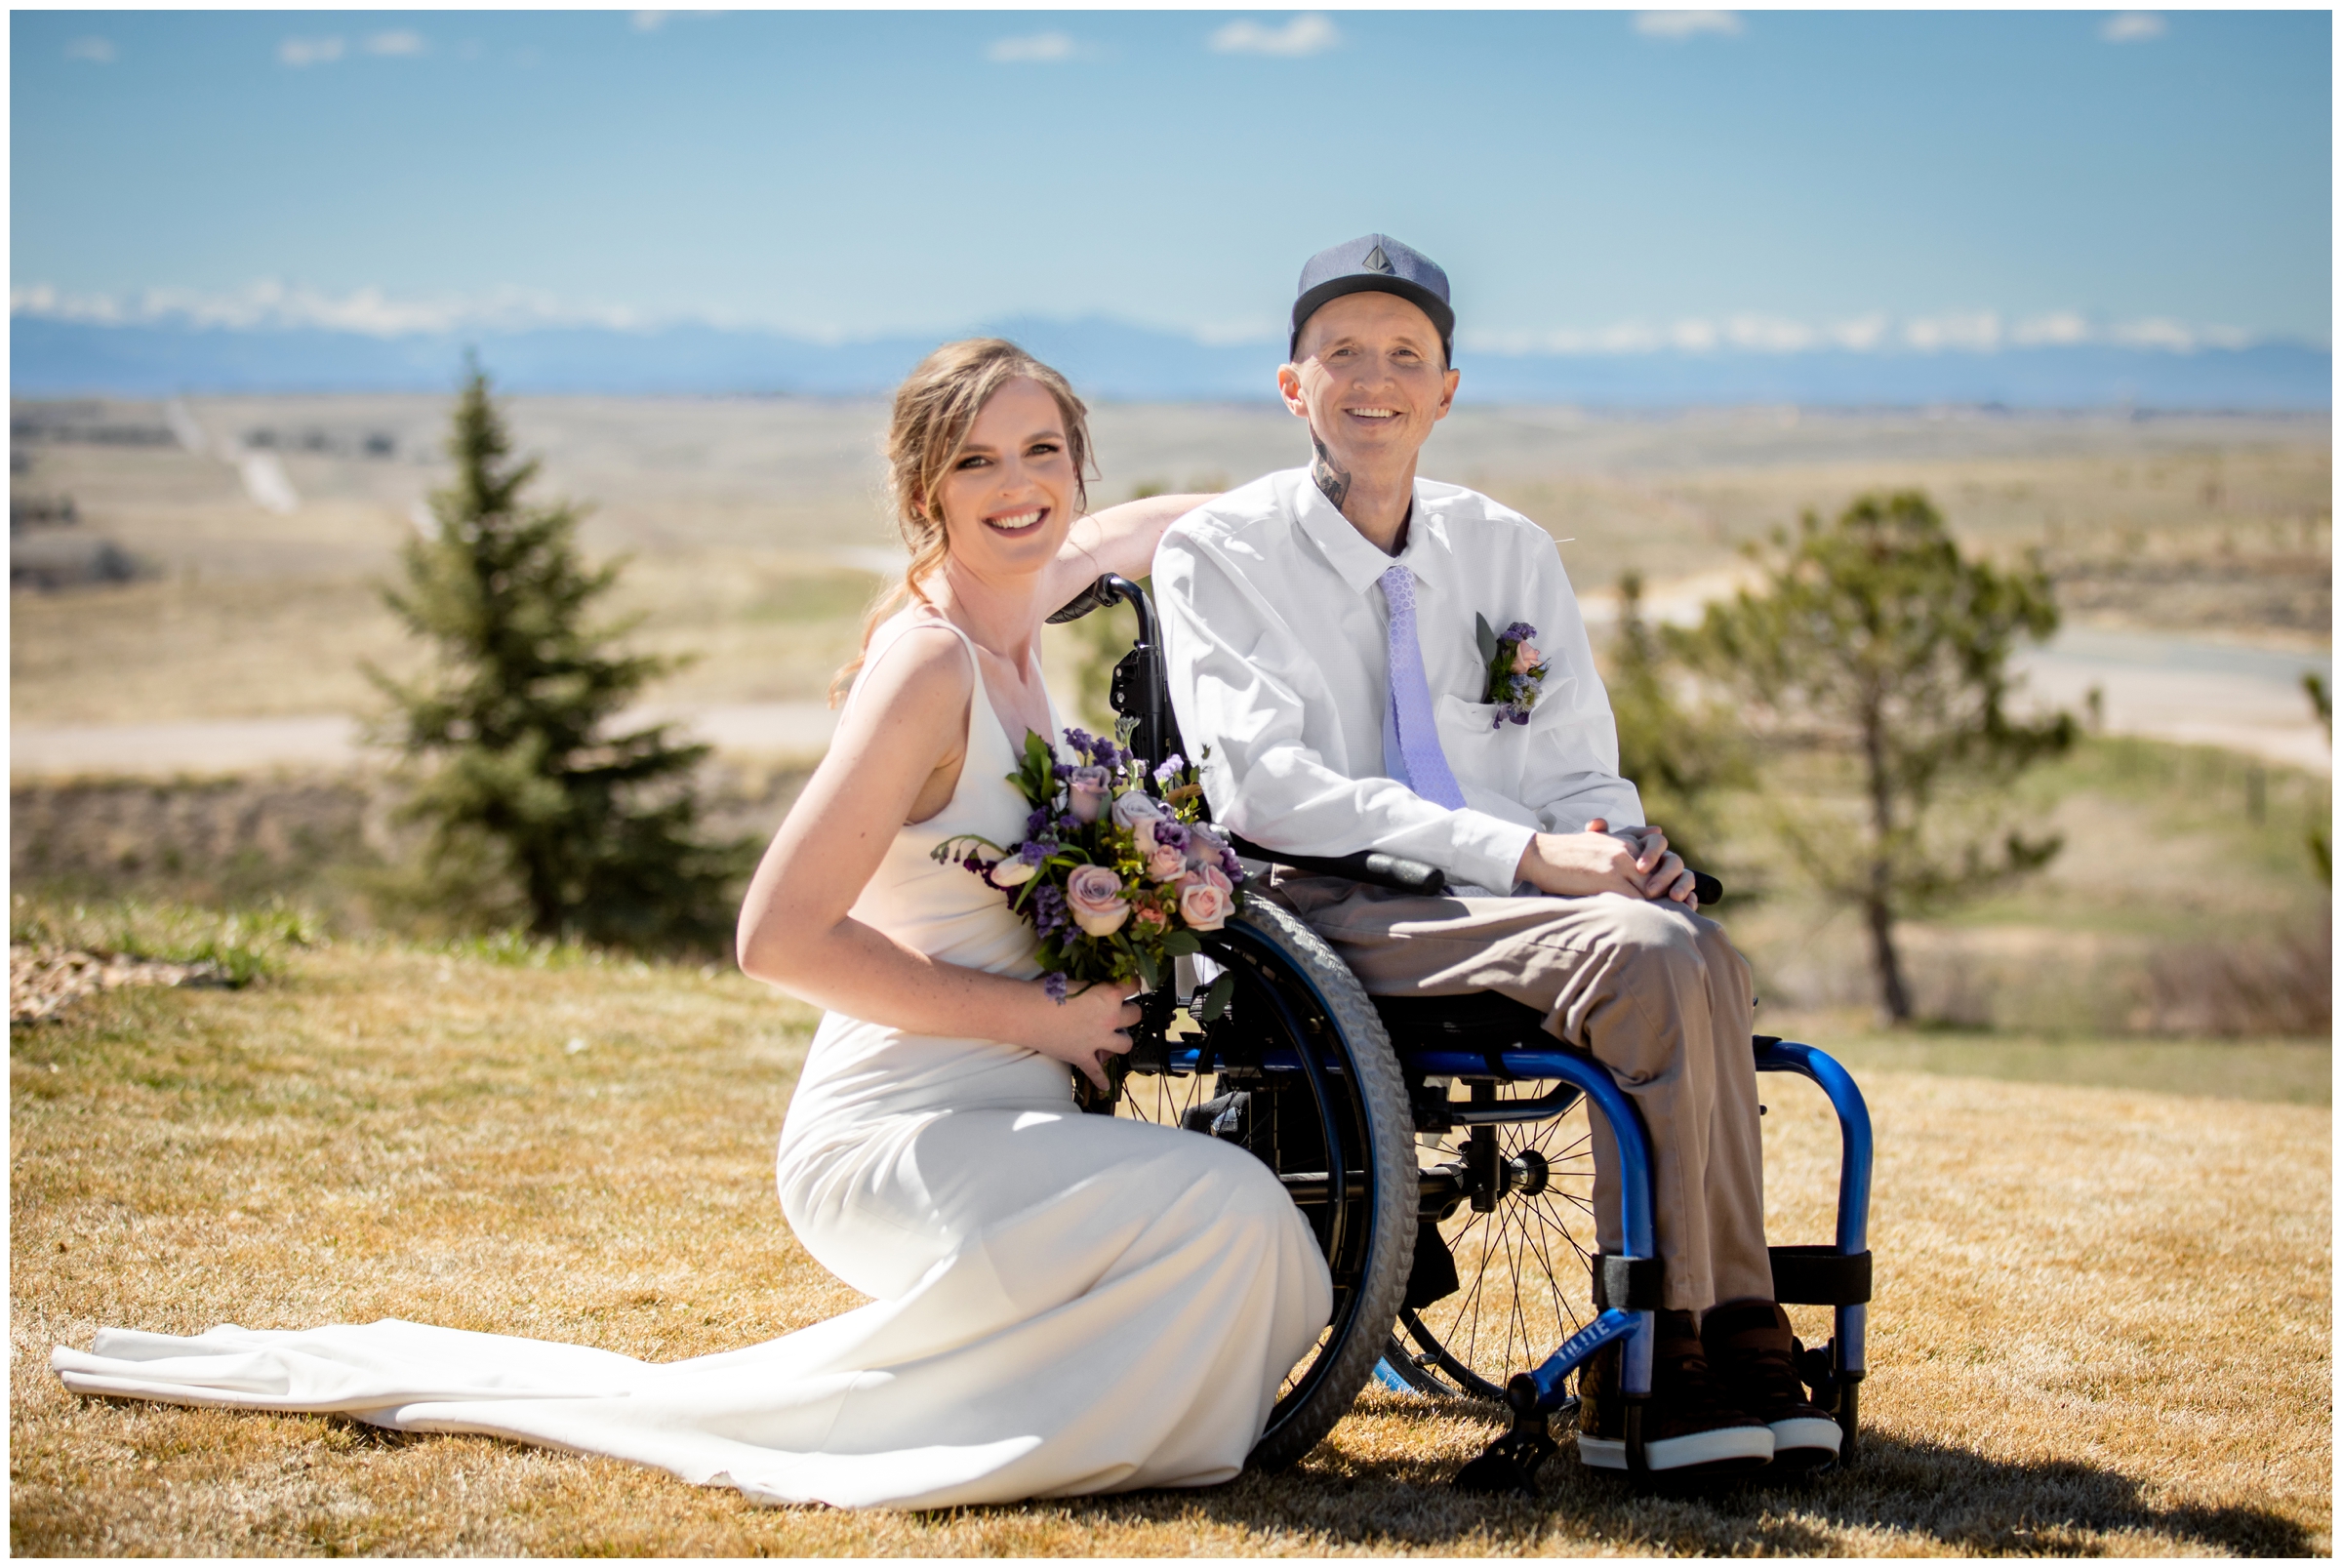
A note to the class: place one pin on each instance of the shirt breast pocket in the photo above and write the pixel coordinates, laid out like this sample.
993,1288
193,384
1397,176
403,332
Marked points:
1484,754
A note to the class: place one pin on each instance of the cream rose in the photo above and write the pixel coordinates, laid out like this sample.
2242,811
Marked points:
1206,898
1094,896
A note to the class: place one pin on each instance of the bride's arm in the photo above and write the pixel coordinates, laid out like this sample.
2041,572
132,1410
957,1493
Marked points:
1120,539
794,930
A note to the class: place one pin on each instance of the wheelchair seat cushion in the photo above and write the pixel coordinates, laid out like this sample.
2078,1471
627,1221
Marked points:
1474,1021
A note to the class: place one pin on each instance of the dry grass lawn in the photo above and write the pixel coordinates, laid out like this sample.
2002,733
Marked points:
2103,1316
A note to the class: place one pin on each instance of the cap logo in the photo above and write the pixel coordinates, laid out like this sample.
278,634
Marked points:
1377,261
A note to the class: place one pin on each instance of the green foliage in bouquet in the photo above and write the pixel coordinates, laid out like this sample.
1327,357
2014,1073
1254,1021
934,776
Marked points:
1117,870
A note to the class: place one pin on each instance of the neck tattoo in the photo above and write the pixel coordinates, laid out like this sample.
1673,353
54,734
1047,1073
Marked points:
1333,482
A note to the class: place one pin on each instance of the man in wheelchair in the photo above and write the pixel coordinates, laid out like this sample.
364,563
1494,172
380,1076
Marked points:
1378,662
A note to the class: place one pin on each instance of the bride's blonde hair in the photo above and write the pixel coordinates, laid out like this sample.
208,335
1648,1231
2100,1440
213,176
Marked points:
935,407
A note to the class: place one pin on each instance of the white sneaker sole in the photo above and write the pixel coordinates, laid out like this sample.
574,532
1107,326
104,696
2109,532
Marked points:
1807,1439
1735,1446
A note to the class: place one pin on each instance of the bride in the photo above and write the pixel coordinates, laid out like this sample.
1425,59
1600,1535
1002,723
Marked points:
1065,1304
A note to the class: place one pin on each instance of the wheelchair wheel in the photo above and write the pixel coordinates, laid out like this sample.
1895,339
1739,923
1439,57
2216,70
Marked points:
1515,1207
1297,1070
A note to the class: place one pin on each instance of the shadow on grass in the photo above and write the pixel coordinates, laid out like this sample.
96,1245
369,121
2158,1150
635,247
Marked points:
1963,1501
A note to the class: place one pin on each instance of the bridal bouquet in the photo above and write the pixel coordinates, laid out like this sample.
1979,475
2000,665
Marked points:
1116,870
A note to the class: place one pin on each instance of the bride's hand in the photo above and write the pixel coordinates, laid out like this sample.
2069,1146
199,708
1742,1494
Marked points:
1089,1026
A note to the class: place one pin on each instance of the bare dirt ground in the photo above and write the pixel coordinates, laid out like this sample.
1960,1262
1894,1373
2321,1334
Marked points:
2102,1322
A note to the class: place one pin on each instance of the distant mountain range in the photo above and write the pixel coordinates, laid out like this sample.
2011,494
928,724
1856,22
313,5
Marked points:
1116,361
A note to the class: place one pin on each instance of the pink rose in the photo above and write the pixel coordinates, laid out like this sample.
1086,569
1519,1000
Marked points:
1164,863
1206,898
1132,807
1526,658
1094,894
1085,793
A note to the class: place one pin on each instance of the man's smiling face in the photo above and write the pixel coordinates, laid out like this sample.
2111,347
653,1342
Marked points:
1370,378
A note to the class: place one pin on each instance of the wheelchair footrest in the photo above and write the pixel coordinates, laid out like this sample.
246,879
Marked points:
1820,1277
1509,1465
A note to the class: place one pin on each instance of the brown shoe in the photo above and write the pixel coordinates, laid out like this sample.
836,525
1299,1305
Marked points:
1689,1426
1754,1355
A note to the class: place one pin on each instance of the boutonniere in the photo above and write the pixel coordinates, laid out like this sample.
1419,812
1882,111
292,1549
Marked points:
1515,669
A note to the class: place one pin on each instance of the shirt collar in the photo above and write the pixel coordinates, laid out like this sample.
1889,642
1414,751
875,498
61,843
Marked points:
1358,563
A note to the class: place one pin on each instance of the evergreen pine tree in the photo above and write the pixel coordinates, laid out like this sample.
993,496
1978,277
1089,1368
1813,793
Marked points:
597,833
1874,639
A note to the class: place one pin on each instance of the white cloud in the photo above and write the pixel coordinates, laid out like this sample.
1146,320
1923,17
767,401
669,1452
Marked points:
1975,330
1307,34
2057,327
1693,337
653,21
97,50
2157,332
395,43
272,303
298,53
377,313
1040,49
2131,27
1861,334
1679,24
1770,335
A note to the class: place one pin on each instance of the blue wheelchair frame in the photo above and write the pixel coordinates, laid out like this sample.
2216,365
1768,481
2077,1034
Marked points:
1836,1275
1536,1394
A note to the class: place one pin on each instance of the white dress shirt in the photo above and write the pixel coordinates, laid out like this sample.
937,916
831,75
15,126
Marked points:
1275,628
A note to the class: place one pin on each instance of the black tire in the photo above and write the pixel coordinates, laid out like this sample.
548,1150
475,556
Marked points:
1291,993
1523,1280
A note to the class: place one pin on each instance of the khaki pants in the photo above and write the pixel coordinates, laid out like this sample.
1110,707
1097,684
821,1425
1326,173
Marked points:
1652,991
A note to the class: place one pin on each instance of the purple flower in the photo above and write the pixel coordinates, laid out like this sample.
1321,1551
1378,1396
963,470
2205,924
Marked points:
1032,852
1048,909
1518,631
1170,768
1084,742
1053,984
1231,867
1171,835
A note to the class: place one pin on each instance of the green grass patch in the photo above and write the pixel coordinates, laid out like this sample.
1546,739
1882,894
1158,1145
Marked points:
245,944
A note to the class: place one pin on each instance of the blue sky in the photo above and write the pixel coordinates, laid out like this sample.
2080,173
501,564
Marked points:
1590,178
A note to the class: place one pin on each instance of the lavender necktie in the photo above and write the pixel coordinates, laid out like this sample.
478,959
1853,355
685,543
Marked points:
1411,750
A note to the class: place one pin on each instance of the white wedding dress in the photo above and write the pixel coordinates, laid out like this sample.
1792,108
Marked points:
1067,1304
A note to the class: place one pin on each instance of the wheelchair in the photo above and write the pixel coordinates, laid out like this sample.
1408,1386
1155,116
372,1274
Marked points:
1440,1146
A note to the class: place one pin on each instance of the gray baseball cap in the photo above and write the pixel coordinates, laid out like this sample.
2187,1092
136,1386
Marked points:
1379,262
